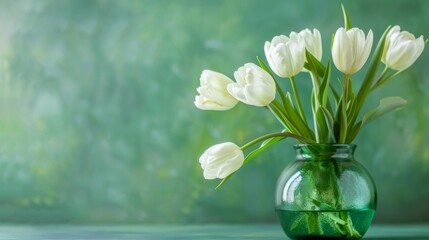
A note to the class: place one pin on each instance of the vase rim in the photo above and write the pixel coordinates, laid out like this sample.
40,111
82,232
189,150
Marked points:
324,151
336,145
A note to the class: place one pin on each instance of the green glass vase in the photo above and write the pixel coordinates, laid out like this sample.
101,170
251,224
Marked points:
325,194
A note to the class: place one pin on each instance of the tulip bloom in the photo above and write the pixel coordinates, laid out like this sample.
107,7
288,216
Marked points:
254,86
213,94
312,41
286,56
401,49
221,160
350,49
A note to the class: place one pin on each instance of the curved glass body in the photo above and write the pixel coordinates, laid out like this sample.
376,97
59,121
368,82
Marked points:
325,194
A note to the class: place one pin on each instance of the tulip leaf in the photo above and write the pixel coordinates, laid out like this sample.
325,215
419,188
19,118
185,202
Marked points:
334,92
279,111
263,65
329,123
297,121
341,119
322,125
386,105
354,131
289,98
318,118
267,143
313,64
278,115
323,91
224,180
347,24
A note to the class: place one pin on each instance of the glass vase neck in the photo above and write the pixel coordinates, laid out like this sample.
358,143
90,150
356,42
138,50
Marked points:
324,151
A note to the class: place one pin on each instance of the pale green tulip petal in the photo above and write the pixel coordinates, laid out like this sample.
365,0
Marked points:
214,79
341,51
237,92
208,104
221,160
213,94
350,49
254,86
295,37
240,76
231,164
284,57
312,42
349,42
397,54
363,50
259,95
217,96
402,49
316,49
279,39
280,54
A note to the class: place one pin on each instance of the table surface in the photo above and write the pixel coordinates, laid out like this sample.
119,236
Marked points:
203,232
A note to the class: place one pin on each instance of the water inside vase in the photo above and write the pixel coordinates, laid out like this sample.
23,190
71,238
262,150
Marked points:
309,225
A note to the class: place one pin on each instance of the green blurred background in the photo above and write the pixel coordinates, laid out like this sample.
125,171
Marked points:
97,122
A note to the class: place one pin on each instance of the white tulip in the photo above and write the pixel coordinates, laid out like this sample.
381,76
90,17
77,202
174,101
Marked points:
286,56
221,160
312,41
213,94
350,49
254,86
401,49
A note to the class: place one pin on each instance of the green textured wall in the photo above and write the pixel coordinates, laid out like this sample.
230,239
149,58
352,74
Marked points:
97,122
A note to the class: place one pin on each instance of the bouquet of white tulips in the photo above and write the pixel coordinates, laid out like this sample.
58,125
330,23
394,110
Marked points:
336,116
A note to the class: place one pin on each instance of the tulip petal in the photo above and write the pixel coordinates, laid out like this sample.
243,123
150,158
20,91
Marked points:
350,49
254,86
221,160
282,57
213,94
402,49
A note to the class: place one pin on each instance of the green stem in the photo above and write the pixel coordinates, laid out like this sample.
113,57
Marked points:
380,78
279,106
383,81
346,89
316,86
294,121
315,79
346,226
280,91
272,135
344,117
297,99
279,115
